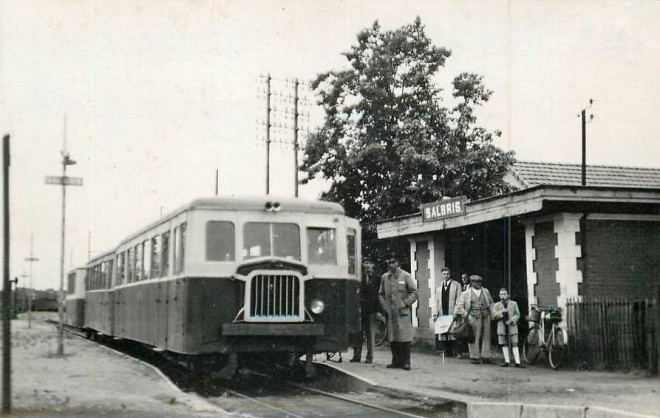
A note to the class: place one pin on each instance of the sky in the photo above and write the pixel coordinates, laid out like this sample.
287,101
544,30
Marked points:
158,95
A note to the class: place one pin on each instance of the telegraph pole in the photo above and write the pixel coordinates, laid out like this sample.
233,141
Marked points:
63,181
296,146
31,259
6,291
268,78
583,116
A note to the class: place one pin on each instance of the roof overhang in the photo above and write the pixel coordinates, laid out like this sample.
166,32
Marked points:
523,202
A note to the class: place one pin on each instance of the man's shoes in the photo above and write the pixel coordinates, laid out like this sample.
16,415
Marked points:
485,361
476,361
355,360
504,364
406,367
520,366
368,361
391,366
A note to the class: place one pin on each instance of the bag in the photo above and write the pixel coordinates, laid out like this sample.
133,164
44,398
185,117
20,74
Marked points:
462,330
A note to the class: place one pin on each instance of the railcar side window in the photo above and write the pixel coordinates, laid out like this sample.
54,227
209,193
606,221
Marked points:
109,279
265,239
175,247
147,260
322,245
179,248
219,241
138,262
351,250
71,283
120,268
155,257
130,264
165,255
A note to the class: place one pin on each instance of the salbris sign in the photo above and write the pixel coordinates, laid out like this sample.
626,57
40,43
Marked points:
443,209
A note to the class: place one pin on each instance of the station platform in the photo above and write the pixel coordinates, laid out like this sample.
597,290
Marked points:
493,391
92,380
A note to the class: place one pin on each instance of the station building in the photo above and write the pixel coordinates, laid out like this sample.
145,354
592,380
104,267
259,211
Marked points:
549,241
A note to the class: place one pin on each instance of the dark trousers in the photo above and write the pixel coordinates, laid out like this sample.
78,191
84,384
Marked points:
448,346
400,353
368,328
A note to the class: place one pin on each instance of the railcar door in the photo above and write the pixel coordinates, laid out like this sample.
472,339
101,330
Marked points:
162,303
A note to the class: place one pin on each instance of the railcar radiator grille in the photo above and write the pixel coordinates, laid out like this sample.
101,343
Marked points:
275,296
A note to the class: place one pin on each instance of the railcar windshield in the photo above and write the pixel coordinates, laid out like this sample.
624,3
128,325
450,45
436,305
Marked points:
271,239
322,246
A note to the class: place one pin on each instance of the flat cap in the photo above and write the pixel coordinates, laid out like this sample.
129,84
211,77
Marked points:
476,278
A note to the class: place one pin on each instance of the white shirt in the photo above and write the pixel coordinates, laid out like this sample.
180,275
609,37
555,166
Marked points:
477,291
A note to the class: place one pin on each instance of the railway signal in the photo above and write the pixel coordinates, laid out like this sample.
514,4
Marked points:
64,181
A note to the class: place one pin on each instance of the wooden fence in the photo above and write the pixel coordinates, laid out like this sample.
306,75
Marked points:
613,334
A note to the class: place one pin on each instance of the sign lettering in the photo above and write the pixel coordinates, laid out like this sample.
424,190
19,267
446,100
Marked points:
443,209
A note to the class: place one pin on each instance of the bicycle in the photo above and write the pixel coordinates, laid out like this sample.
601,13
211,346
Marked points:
553,344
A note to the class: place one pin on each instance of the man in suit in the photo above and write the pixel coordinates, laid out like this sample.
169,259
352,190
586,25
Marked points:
474,305
465,279
507,314
369,306
397,294
446,296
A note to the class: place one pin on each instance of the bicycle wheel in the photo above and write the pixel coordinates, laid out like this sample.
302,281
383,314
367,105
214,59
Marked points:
381,329
557,348
531,347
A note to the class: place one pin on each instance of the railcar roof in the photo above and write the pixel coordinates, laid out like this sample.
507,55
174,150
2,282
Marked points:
256,203
287,204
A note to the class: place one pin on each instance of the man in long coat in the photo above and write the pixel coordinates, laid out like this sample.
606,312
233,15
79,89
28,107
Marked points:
397,294
475,305
446,298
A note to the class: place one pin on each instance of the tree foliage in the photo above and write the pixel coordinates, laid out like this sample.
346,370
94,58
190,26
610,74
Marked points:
386,123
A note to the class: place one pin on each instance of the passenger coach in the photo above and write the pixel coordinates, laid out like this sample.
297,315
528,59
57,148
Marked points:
233,275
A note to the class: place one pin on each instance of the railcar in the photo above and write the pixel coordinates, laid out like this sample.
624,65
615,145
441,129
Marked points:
227,277
74,303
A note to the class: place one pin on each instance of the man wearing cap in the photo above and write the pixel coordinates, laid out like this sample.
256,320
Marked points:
369,306
475,305
397,294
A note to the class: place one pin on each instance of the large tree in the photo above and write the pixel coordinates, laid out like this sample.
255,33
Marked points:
389,141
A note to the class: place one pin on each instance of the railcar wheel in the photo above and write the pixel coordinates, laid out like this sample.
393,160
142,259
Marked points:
531,348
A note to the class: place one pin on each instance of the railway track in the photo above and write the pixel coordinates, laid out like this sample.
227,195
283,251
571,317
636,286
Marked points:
255,393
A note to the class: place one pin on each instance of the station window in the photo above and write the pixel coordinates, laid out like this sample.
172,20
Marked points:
271,239
146,250
322,245
155,257
219,241
165,255
351,250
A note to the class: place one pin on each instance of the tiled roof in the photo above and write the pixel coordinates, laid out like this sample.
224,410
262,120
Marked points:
528,174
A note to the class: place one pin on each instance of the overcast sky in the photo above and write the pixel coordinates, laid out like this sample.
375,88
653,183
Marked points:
160,94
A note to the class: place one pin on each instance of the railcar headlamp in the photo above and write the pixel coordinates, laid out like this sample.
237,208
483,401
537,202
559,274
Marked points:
317,306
